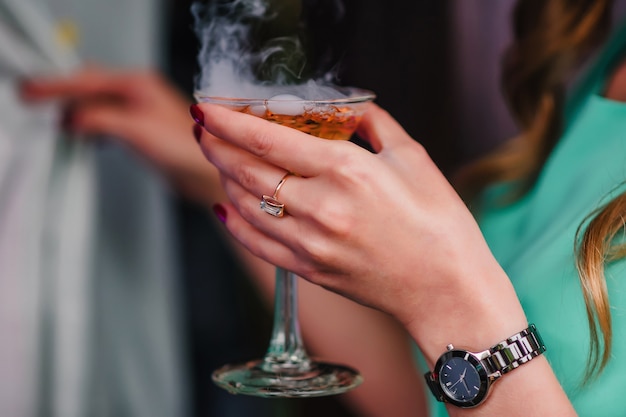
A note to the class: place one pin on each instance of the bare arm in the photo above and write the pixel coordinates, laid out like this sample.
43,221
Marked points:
385,229
372,342
342,331
149,115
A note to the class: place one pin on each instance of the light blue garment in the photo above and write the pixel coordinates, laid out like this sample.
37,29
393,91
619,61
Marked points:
47,204
89,314
533,239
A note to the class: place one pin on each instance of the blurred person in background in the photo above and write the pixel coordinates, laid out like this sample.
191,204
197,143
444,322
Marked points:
92,316
89,299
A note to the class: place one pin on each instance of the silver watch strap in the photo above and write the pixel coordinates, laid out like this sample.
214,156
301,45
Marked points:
512,352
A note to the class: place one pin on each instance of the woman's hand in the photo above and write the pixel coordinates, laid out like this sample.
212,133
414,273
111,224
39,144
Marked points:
383,228
140,108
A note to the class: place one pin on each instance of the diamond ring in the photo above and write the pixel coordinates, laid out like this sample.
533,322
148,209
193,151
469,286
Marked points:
270,204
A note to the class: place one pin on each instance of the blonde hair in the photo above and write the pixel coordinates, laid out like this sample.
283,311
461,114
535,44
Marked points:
551,39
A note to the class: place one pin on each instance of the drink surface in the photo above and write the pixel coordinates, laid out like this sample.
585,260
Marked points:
335,122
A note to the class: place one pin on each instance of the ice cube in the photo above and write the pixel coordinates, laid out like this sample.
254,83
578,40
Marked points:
286,104
257,110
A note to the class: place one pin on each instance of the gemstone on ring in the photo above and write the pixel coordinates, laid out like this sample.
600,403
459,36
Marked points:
272,206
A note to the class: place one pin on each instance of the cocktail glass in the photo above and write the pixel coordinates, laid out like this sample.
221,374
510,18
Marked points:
287,370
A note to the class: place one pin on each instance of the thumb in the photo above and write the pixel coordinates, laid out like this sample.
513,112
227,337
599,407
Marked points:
380,130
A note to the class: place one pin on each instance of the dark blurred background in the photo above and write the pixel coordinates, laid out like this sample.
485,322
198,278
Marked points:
434,66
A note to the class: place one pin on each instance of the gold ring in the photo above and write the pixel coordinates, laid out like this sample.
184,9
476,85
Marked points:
270,204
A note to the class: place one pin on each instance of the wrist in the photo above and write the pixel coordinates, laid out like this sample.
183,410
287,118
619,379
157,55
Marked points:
478,371
477,311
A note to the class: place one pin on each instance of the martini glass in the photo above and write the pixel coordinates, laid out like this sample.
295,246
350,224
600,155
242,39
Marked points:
287,370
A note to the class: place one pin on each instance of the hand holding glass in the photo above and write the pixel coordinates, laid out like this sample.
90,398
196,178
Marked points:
287,370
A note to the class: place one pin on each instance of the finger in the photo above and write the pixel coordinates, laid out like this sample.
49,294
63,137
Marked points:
67,85
290,241
103,118
88,81
258,243
256,176
282,146
249,206
294,237
379,129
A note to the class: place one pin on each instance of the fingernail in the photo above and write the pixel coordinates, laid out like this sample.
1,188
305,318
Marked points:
197,114
220,212
197,132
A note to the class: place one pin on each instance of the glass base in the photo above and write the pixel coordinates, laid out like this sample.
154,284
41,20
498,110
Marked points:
254,378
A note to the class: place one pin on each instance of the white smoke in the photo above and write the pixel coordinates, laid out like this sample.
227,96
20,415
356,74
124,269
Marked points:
229,65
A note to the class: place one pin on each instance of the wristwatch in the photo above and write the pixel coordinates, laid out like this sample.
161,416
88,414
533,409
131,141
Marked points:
464,378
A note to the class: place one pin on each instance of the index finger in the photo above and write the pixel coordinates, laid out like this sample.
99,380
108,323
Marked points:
87,81
282,146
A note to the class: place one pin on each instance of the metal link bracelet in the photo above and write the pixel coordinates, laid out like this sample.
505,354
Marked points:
513,352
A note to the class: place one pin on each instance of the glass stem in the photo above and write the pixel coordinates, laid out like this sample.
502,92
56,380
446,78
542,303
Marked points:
286,349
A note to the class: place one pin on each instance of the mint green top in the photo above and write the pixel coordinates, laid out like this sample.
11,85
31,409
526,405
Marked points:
533,240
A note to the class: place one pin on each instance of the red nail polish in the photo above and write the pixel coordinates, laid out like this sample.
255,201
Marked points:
197,114
220,212
197,132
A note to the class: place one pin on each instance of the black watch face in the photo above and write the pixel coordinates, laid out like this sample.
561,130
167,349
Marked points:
462,378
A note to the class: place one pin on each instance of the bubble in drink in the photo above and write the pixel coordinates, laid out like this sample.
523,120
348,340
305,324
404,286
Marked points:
286,104
257,110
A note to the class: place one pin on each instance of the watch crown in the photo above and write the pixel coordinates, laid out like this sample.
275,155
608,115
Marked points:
450,347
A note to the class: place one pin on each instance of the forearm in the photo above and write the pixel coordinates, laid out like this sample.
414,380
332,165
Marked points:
342,331
485,317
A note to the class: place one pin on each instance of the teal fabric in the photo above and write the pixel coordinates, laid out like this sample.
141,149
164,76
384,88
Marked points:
533,239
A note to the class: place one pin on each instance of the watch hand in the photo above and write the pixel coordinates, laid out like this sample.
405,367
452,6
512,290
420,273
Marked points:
453,385
465,385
